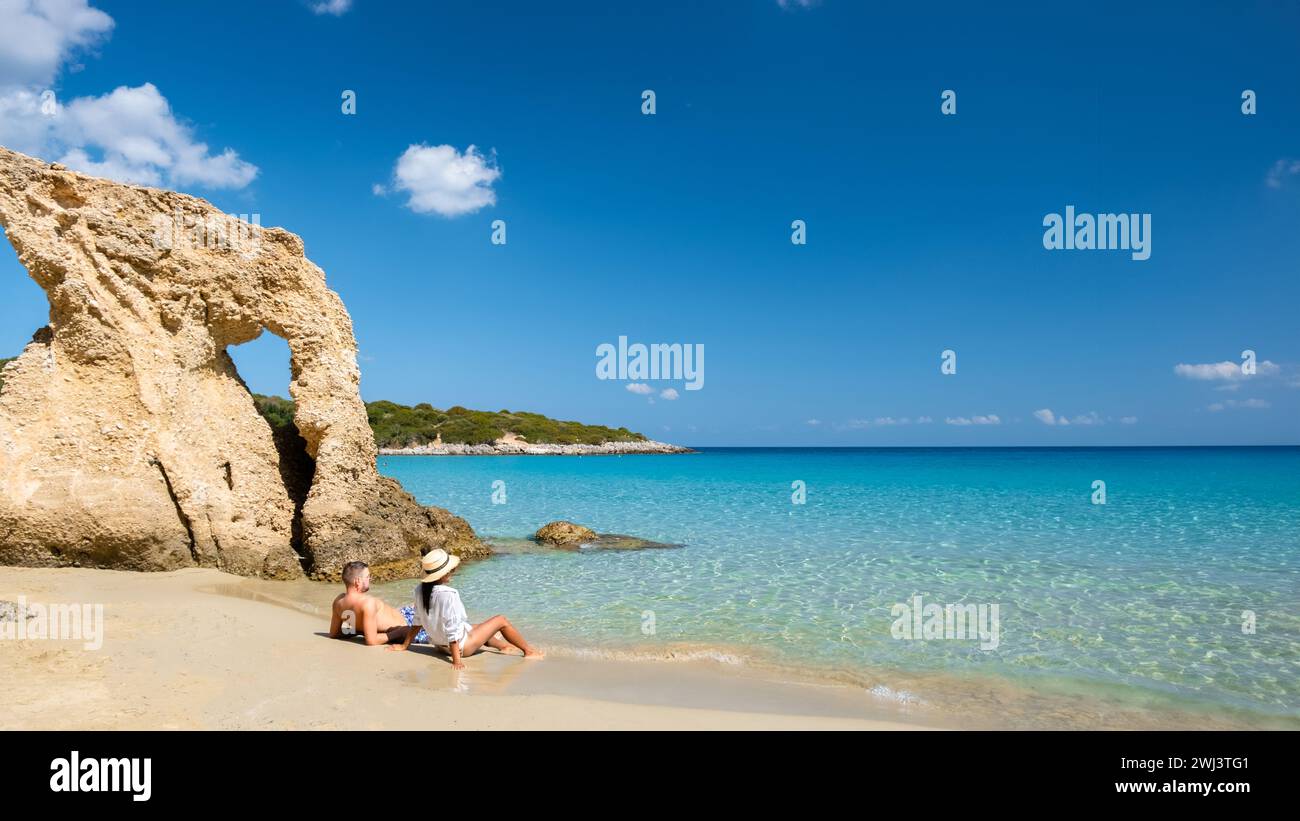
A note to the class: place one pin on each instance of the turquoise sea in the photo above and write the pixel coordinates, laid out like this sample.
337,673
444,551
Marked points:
1174,603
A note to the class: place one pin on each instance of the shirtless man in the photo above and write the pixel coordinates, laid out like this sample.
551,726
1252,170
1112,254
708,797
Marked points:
364,614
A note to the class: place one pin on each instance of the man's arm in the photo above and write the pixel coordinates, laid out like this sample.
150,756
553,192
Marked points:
336,620
373,637
410,636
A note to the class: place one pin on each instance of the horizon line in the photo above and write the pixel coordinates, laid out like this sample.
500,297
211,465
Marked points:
974,447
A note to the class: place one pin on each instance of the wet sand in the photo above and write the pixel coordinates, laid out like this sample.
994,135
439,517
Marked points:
200,649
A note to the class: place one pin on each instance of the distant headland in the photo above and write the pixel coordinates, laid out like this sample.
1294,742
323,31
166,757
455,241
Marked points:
424,430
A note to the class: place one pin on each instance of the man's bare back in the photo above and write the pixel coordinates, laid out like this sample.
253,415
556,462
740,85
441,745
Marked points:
357,613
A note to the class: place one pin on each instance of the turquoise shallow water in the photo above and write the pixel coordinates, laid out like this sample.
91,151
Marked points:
1141,598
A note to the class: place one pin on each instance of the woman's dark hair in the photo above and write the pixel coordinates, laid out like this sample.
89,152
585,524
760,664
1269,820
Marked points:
426,593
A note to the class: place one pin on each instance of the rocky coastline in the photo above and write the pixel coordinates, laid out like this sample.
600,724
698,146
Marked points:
503,448
129,439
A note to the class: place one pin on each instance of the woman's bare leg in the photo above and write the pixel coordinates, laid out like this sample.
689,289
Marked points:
479,635
500,644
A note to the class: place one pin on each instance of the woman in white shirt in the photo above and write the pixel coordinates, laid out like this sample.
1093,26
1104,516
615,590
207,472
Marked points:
438,609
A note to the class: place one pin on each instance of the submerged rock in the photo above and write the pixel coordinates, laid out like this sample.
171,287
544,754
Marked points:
618,541
570,535
127,438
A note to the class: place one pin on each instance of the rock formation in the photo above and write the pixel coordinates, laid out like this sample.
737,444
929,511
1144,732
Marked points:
128,439
571,536
564,534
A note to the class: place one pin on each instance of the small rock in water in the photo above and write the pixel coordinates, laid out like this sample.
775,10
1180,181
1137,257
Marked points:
564,534
619,541
570,535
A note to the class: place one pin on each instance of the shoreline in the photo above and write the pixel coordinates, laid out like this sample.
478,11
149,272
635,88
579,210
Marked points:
521,448
202,649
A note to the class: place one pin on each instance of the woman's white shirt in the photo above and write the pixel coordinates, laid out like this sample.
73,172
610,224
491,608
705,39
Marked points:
445,620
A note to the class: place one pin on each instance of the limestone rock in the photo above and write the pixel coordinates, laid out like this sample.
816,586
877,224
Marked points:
128,439
572,536
621,541
564,534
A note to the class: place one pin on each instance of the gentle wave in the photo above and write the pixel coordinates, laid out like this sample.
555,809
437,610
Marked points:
1137,606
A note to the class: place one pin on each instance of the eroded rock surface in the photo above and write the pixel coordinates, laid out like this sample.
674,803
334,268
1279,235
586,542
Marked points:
572,536
564,534
128,439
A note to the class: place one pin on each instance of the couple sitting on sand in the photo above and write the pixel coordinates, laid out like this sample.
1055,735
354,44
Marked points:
437,617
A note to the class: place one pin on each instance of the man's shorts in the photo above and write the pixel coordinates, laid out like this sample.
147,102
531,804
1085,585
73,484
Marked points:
408,613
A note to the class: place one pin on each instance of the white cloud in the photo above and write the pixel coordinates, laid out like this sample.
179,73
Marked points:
140,140
640,388
335,7
991,419
813,422
803,4
886,422
1047,417
38,36
130,134
1128,420
668,393
1252,404
1223,371
23,125
1281,170
443,181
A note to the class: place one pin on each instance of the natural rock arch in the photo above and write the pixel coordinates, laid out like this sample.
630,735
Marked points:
127,438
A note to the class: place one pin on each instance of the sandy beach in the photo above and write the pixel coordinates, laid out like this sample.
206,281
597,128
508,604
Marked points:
201,649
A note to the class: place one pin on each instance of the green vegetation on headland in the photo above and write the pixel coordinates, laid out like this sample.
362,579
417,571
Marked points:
400,426
278,412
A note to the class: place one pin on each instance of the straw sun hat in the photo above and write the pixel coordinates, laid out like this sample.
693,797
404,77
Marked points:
438,563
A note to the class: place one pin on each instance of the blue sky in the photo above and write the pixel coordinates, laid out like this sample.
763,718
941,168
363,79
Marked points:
924,230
